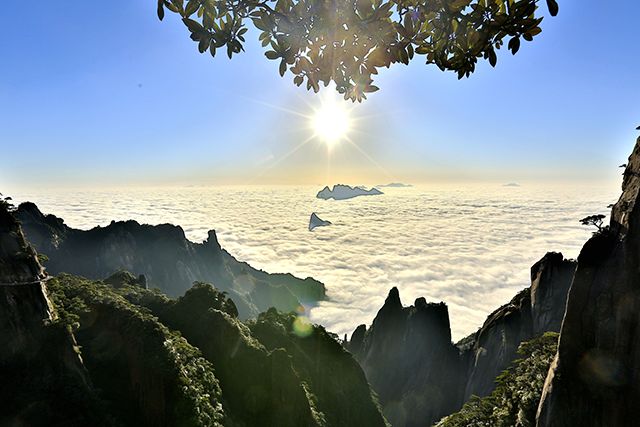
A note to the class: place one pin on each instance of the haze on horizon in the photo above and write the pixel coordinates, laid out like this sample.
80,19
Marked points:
132,102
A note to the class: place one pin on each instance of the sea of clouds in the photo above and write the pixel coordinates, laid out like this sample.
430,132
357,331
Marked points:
470,246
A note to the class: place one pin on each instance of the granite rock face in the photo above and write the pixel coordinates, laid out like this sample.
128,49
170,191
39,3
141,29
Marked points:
551,279
595,377
36,354
532,312
165,257
410,361
421,376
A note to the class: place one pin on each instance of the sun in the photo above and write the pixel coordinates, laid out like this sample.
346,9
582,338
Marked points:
331,121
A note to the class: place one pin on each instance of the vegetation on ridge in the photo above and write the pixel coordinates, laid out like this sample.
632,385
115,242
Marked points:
191,362
515,400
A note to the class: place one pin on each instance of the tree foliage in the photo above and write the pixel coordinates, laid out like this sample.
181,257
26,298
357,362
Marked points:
595,220
347,41
518,389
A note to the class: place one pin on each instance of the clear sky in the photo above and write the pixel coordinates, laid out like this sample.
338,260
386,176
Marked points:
104,93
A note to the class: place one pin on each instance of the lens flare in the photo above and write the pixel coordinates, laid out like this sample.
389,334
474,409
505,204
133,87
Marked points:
302,327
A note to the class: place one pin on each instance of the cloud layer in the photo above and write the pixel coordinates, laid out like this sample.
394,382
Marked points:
471,247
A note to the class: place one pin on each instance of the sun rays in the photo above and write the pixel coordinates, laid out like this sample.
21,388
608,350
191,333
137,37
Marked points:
327,123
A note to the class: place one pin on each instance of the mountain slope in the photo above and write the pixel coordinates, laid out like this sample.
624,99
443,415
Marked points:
421,376
40,366
168,260
595,378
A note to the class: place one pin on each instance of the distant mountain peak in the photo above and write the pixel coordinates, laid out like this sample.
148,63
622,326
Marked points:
343,192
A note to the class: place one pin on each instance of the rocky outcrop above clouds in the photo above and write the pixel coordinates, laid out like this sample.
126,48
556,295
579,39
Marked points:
421,376
343,192
316,221
410,361
137,357
165,257
595,377
530,313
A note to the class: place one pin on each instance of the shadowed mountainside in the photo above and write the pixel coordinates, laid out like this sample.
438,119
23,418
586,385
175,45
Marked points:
165,257
37,354
595,377
421,376
114,353
191,361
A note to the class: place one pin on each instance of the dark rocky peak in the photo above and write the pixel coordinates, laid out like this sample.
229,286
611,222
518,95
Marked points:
28,212
550,262
408,357
168,232
391,315
532,312
407,352
357,338
167,258
431,319
550,281
595,377
212,241
393,299
624,215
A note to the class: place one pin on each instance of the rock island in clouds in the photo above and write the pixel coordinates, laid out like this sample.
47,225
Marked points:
316,221
343,192
394,185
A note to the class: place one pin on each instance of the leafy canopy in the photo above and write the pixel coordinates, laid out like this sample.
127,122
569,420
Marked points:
346,41
518,390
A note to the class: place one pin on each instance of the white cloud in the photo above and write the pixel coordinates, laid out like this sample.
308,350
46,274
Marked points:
470,247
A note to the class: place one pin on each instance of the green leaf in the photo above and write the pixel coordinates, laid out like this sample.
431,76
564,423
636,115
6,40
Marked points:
271,54
192,7
192,25
514,45
493,58
283,67
204,44
160,9
553,7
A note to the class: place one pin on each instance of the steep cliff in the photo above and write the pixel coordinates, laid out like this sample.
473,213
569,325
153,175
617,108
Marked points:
421,376
410,361
595,377
533,311
40,368
165,257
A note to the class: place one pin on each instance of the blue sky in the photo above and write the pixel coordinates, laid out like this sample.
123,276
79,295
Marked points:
105,94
